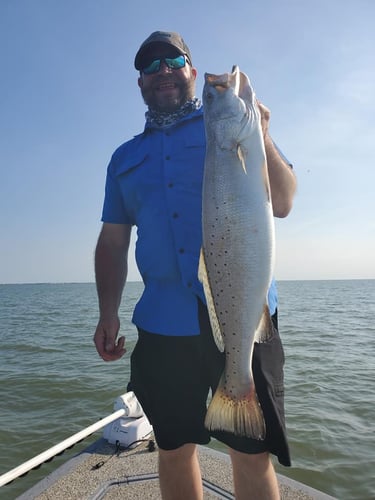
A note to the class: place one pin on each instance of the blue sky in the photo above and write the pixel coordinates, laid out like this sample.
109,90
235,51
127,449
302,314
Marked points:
69,97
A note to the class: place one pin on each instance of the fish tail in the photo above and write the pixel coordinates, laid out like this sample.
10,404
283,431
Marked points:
240,416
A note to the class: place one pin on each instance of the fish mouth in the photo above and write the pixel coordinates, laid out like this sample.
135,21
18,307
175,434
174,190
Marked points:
218,81
225,81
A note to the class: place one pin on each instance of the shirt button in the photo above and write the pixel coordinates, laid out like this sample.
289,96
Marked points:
167,157
175,215
170,185
182,250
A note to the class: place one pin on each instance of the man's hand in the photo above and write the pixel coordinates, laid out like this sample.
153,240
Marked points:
282,179
105,339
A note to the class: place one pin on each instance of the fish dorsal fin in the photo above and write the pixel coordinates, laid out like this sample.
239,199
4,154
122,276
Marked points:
203,277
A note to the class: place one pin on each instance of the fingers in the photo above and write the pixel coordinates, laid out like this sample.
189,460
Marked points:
264,111
105,341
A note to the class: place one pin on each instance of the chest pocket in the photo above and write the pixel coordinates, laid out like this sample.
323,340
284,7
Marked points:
140,180
129,163
189,155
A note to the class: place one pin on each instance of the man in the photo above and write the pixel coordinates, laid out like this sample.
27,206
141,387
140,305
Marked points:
154,182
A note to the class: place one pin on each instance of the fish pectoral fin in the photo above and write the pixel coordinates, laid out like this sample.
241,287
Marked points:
264,332
203,278
241,157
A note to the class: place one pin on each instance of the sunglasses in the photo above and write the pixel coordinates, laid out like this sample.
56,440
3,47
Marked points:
172,63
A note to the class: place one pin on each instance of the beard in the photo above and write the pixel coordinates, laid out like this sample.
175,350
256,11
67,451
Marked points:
165,103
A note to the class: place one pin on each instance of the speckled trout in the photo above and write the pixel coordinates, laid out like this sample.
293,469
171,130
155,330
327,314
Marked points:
236,263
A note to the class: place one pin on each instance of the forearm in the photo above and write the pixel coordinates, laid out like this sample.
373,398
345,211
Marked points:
110,281
111,272
282,180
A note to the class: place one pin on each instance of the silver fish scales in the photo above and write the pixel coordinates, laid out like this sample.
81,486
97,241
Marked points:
237,256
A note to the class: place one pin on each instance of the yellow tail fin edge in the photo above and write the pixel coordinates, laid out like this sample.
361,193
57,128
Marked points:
242,417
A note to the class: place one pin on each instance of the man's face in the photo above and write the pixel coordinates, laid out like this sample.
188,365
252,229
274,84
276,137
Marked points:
168,89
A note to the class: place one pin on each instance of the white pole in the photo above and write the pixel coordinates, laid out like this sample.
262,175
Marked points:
58,448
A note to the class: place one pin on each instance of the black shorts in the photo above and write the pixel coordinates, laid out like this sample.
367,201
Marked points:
172,376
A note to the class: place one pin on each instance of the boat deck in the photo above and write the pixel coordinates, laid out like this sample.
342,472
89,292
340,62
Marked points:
133,475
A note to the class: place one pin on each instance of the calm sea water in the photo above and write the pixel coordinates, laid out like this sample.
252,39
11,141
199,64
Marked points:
53,384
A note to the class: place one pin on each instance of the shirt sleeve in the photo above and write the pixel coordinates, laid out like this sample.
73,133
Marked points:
113,207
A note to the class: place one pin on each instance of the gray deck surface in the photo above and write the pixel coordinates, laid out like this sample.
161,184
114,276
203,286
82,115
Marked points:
133,475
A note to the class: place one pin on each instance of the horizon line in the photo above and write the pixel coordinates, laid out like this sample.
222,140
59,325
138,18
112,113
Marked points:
140,281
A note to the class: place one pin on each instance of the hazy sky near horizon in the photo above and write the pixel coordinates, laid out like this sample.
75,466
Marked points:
69,97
